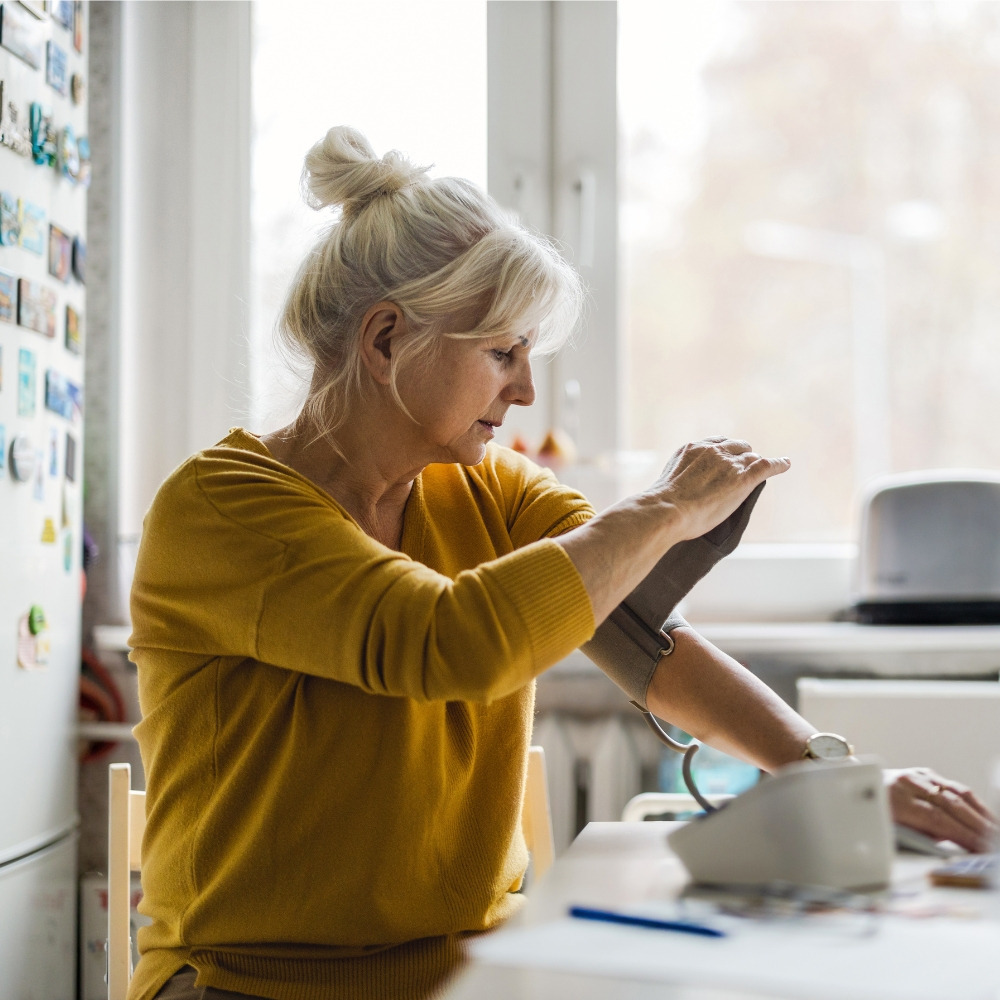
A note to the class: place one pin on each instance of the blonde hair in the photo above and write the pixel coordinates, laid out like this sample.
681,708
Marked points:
439,249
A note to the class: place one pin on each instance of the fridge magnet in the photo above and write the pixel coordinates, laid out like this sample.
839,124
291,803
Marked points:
62,13
13,134
76,88
70,462
49,535
22,34
78,25
62,396
8,300
3,448
39,491
10,226
43,135
32,638
60,254
36,307
83,148
26,388
68,551
31,220
22,459
64,509
74,338
69,155
53,452
56,68
79,260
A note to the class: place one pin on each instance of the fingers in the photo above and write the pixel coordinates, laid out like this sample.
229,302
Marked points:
764,468
944,809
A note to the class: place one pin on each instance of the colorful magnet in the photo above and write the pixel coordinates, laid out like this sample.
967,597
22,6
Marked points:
22,34
69,155
70,458
76,88
60,254
22,459
31,220
49,535
32,637
53,452
68,551
43,135
13,134
74,334
10,223
78,25
26,384
36,307
79,260
56,68
62,13
62,396
8,297
83,148
64,508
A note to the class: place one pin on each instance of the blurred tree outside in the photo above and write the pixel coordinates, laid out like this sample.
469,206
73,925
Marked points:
873,119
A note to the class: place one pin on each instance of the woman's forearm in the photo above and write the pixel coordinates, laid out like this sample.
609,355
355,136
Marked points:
719,702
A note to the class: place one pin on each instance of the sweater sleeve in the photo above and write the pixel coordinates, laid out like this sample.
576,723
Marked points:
357,612
243,561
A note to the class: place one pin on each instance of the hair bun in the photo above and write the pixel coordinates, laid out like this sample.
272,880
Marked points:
342,169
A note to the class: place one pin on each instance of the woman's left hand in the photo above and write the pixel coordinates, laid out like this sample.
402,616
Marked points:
944,810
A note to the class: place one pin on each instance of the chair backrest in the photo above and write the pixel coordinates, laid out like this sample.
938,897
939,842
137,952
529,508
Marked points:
657,803
536,816
126,825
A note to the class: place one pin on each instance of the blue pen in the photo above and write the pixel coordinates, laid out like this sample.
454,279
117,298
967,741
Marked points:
610,917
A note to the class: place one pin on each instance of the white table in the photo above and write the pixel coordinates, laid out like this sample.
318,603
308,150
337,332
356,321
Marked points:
615,865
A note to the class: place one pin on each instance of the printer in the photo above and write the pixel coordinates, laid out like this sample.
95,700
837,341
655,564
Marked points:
929,550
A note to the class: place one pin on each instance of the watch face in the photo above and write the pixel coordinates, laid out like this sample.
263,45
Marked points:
828,746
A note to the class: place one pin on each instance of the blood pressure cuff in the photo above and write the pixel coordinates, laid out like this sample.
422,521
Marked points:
629,643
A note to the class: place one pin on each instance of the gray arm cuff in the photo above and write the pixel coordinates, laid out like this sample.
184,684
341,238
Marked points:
626,657
628,646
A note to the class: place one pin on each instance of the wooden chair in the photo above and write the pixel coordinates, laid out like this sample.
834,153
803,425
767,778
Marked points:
536,816
127,823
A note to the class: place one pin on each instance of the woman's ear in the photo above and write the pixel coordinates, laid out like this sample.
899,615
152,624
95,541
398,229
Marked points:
381,327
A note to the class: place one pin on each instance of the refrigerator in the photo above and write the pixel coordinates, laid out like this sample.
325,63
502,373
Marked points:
44,172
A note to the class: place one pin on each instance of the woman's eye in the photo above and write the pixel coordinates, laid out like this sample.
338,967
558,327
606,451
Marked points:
501,355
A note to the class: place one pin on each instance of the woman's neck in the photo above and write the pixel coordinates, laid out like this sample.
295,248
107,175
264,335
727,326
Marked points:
367,473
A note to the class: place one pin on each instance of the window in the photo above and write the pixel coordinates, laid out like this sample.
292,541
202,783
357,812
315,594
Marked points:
410,76
809,227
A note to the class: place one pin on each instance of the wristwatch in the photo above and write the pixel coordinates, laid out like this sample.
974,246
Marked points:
827,746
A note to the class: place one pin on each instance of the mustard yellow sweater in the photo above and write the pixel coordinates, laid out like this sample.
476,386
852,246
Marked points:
335,733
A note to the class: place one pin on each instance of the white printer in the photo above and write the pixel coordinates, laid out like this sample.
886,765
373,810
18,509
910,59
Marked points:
929,551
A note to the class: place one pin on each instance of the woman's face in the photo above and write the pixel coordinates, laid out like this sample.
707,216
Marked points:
461,396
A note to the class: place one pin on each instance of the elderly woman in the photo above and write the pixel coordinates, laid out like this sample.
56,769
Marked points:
338,625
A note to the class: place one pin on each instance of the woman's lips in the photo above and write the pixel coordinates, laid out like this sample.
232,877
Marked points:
487,425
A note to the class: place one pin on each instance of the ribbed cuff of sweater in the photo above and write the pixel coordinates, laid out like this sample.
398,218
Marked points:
547,591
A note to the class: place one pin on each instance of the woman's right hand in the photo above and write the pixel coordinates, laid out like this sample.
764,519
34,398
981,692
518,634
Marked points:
705,481
701,486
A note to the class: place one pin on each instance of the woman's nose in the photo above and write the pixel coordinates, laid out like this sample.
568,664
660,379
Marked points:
520,390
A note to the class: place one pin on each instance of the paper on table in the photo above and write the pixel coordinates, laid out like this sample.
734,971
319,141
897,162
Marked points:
901,959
